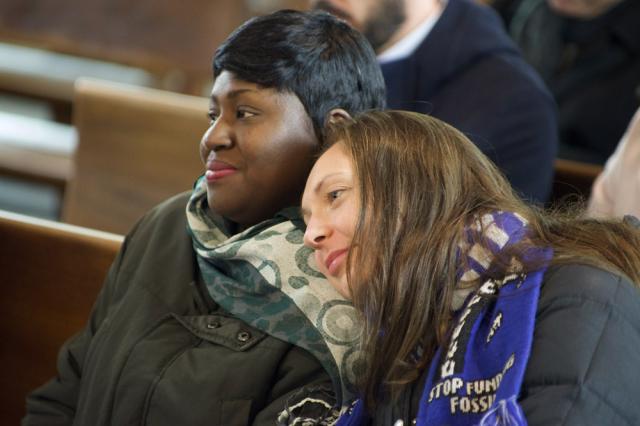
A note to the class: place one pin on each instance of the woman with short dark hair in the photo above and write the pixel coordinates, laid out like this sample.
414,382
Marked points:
210,314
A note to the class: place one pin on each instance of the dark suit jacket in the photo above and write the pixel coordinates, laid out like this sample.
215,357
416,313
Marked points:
468,73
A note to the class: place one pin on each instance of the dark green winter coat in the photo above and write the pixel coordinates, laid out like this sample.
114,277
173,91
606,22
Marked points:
158,351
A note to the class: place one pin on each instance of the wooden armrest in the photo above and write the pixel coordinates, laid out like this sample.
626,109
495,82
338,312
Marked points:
51,274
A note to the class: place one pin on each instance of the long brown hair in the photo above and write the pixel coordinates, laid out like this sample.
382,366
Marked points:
422,182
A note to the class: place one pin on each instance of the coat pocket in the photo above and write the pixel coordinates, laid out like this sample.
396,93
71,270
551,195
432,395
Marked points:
222,330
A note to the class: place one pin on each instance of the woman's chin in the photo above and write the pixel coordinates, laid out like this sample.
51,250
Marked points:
341,286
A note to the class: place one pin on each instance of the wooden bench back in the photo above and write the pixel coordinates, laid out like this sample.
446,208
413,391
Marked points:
136,147
573,178
174,41
50,274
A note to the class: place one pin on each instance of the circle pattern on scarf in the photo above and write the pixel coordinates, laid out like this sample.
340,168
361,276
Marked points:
295,236
298,282
309,303
352,367
337,322
302,261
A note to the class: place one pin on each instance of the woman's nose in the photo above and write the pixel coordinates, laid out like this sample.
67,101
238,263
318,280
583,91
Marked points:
217,136
315,234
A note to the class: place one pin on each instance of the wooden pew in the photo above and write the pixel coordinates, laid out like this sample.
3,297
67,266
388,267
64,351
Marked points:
136,147
50,274
573,179
171,41
167,45
36,150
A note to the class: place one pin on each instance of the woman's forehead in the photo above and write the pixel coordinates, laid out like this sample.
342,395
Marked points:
228,83
333,164
227,87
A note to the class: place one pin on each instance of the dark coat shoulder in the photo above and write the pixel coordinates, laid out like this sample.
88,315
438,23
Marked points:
583,368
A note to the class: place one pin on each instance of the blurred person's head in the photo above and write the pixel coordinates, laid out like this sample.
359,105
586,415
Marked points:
383,22
279,79
582,9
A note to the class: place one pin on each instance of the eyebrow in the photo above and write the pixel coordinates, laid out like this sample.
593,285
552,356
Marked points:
317,186
232,94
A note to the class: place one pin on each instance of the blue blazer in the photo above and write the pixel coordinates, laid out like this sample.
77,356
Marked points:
469,73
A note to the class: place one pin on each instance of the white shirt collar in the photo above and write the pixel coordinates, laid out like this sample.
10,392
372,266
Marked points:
409,43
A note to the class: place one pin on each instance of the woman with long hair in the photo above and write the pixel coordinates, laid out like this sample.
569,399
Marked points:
478,308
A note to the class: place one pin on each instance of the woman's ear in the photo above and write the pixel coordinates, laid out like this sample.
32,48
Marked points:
337,115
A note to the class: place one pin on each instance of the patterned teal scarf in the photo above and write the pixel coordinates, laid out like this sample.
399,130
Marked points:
266,277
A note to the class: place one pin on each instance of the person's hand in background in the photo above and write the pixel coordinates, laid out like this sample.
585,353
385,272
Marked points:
616,192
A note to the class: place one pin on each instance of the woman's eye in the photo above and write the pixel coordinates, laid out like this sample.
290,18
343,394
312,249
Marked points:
333,195
212,117
244,113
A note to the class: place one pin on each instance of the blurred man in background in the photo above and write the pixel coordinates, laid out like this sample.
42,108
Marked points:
588,53
453,60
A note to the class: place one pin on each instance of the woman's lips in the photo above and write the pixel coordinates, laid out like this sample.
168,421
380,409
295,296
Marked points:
217,170
335,260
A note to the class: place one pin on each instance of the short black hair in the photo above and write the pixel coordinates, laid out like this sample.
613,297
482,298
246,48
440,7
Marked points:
321,59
